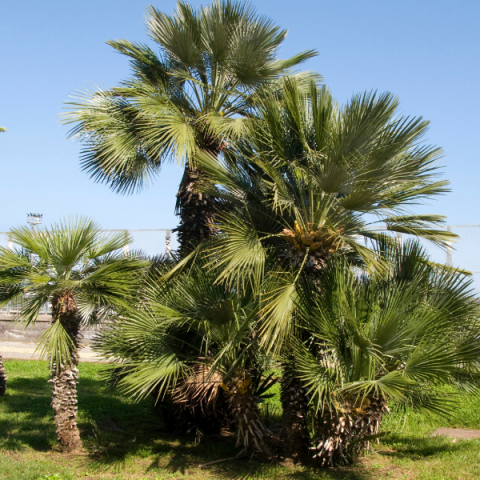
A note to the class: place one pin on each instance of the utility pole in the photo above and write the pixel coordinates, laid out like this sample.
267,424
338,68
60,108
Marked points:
168,243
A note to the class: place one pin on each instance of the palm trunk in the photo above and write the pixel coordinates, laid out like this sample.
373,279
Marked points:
64,377
196,210
295,410
344,435
251,432
197,403
3,378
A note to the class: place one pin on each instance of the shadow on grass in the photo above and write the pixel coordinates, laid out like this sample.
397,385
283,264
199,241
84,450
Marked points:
417,448
176,455
186,457
117,432
26,417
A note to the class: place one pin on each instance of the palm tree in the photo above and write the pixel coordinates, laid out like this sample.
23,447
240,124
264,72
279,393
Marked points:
193,343
194,95
83,274
380,340
316,181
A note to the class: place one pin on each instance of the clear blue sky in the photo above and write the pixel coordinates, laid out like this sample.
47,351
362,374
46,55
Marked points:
426,52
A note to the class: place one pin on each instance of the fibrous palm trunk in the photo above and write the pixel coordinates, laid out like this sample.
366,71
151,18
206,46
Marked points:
251,432
64,377
295,405
197,404
3,378
196,210
344,434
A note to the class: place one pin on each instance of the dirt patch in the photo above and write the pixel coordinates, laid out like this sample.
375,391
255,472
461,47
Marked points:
458,433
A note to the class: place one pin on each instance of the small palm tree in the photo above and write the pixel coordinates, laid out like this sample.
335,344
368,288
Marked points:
192,342
83,274
374,341
193,96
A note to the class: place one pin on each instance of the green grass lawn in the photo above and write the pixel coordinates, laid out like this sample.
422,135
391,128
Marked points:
124,440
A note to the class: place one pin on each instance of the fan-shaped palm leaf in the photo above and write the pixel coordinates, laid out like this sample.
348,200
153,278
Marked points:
318,181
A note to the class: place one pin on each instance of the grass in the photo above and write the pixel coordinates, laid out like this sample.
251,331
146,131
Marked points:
124,440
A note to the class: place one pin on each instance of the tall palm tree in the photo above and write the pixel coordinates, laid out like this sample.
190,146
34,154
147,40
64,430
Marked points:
83,274
316,181
380,340
193,342
193,95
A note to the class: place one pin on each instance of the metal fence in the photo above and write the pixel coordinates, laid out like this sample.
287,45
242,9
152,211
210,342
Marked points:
14,307
461,254
149,242
146,241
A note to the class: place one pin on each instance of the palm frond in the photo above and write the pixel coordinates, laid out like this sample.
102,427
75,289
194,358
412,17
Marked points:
56,345
198,89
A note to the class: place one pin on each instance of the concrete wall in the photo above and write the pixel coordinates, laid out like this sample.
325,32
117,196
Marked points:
11,331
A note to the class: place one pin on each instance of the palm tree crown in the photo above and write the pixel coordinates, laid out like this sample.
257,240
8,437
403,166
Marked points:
193,96
317,180
70,260
314,182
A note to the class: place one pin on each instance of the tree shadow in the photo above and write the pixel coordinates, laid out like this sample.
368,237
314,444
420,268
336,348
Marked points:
182,454
420,447
219,458
28,418
28,421
117,431
247,470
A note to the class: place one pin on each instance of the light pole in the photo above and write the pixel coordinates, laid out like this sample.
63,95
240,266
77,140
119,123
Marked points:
34,219
168,243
